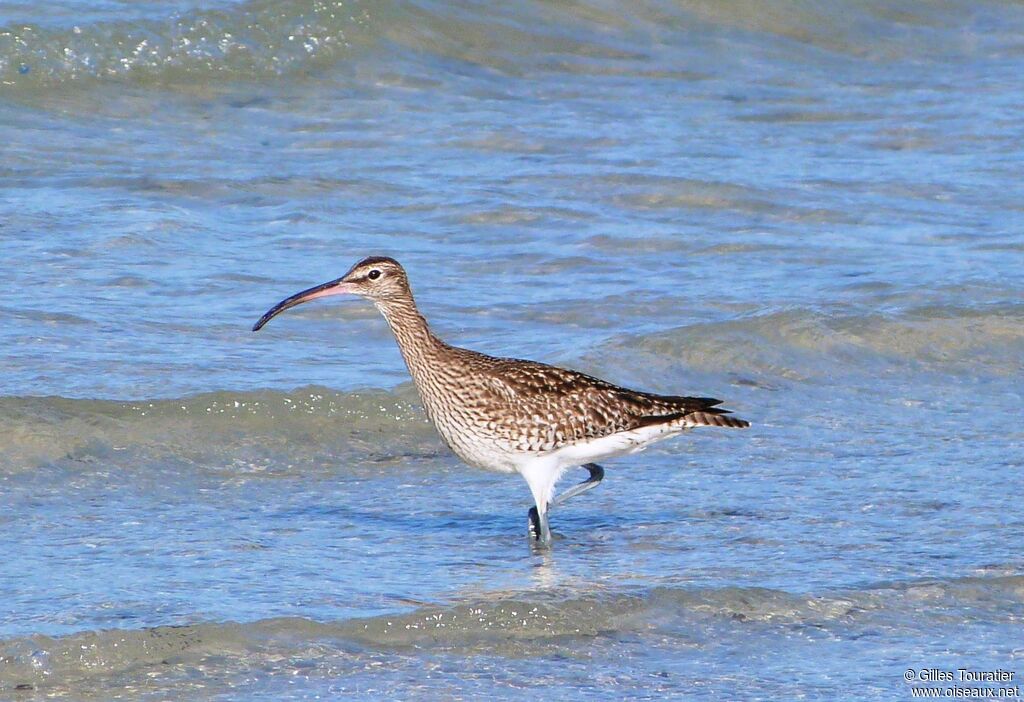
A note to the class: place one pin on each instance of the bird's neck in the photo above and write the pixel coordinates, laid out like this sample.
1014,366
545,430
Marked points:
419,347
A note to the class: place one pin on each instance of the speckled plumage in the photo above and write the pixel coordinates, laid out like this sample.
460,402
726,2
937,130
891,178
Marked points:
489,409
527,407
514,415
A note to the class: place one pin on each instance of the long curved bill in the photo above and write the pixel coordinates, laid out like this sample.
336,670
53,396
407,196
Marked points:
334,287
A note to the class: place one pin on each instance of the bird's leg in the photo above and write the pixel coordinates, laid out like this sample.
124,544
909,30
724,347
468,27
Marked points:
538,526
538,521
596,476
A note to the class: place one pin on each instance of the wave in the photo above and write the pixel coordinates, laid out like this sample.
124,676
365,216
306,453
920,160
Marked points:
316,424
259,39
243,429
810,345
522,624
255,39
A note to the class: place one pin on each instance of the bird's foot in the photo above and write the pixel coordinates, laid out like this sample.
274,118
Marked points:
538,527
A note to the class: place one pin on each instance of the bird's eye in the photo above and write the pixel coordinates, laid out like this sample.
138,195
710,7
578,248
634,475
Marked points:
373,275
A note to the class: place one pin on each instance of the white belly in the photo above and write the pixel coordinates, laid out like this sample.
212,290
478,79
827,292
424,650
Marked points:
481,451
619,444
472,440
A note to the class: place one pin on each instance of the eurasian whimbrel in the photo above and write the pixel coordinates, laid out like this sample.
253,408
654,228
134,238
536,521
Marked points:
511,415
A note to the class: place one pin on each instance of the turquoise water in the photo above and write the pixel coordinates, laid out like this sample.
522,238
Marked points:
809,210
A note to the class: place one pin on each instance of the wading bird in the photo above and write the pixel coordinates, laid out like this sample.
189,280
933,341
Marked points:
511,415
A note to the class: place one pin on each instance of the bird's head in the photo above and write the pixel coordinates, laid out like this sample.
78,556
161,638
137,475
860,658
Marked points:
377,278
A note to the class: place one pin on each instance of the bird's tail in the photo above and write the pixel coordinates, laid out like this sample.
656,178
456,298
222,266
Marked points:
686,412
702,412
707,416
714,418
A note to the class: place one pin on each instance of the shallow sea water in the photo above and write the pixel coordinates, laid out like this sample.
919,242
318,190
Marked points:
809,210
